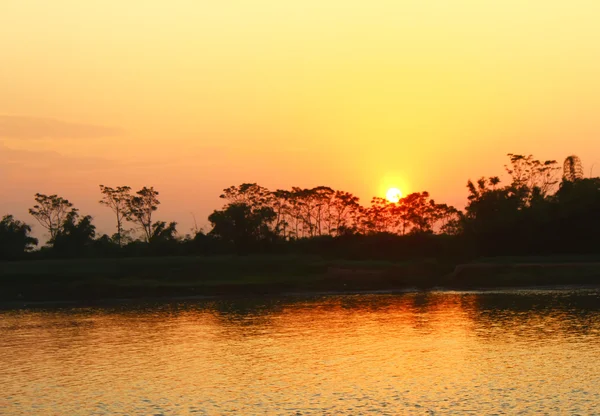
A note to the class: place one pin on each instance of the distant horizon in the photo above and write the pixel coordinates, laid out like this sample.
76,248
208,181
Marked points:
106,224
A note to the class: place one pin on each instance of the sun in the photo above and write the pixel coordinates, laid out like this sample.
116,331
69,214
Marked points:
393,195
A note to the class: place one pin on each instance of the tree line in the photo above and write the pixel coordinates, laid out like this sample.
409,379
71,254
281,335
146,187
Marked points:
535,212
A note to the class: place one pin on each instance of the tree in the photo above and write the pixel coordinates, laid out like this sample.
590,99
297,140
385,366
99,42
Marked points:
295,211
241,225
379,216
416,214
248,193
501,220
280,207
345,213
528,173
306,206
164,240
577,222
118,200
323,196
163,232
75,236
15,239
140,208
51,211
446,218
420,212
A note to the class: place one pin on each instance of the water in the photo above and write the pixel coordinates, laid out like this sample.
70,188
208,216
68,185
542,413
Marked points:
516,352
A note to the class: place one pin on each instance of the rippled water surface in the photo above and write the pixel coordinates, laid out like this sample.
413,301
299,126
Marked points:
435,353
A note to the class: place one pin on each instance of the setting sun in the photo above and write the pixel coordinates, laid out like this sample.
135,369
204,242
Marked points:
393,195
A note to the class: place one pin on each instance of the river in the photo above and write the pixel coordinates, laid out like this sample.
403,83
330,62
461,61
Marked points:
499,352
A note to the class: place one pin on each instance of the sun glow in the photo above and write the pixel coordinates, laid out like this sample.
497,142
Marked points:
393,195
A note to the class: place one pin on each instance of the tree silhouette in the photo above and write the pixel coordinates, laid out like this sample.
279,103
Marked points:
281,205
240,224
524,216
528,173
141,207
420,212
248,193
15,239
379,217
51,211
320,211
75,236
345,213
118,200
163,232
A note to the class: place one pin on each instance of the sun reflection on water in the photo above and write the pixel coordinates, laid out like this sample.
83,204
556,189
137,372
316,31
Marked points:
446,352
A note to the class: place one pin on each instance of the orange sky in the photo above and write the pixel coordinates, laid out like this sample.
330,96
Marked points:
192,96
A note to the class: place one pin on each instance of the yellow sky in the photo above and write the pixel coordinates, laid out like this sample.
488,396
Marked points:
193,96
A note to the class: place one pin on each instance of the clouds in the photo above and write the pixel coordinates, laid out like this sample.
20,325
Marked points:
28,128
15,160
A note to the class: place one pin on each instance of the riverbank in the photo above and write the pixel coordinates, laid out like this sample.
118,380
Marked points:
196,276
95,279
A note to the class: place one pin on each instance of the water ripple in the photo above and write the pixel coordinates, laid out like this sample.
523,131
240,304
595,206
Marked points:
427,353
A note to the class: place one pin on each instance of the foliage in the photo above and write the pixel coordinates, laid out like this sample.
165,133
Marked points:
242,225
527,215
118,200
163,232
51,211
140,207
75,237
524,218
15,239
529,174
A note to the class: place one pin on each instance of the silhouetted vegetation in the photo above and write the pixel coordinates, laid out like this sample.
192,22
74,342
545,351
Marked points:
117,199
533,214
76,236
15,240
51,212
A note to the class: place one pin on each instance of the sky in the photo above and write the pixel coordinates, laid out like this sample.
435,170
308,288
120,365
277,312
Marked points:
193,96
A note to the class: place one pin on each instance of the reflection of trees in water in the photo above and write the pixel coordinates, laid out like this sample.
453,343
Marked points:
411,310
554,314
499,314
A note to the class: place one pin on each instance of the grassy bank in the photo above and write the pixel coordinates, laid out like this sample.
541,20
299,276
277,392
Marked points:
83,279
188,276
523,272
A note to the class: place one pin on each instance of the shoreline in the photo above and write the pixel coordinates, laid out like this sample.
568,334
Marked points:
104,302
129,280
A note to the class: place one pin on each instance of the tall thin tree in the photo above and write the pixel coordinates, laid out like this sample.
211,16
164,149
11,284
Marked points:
117,199
141,206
